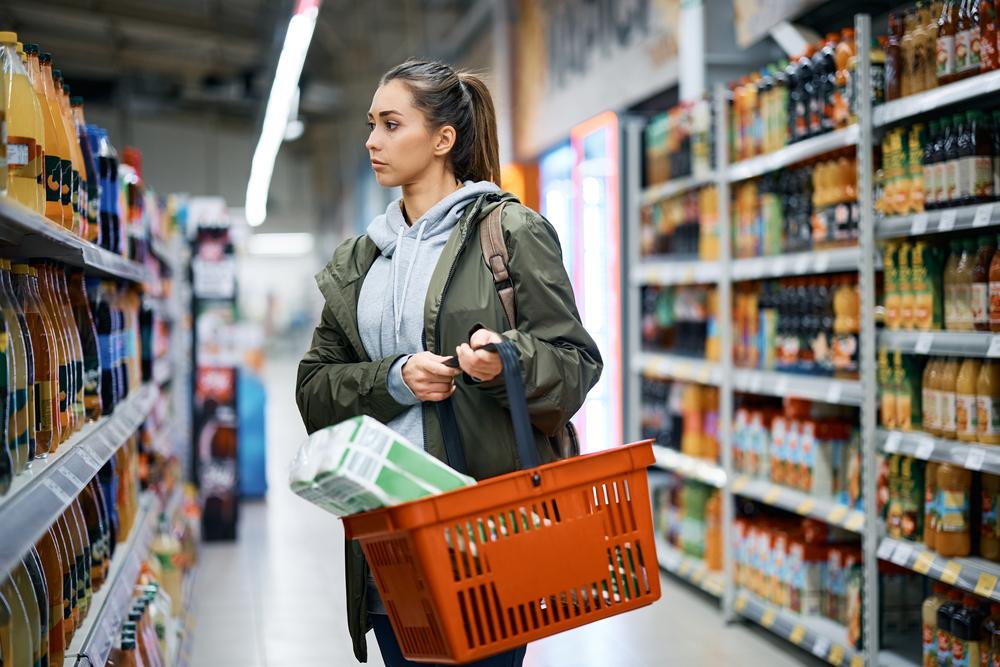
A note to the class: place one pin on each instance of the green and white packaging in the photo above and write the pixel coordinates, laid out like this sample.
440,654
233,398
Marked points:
361,464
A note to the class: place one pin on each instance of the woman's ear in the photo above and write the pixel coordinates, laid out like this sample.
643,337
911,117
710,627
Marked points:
444,140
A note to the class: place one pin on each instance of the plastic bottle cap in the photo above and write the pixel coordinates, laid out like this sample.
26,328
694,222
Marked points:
8,37
20,269
30,48
45,58
76,101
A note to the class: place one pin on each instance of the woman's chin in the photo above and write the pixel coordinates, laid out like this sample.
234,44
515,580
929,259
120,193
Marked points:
386,180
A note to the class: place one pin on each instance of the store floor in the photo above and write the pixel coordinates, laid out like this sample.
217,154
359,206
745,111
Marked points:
276,597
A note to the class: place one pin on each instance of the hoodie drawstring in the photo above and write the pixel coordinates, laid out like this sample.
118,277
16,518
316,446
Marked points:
397,308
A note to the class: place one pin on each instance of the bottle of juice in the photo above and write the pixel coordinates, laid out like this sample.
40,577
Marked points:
88,339
989,536
951,310
904,272
36,576
891,289
77,197
107,164
894,66
928,396
994,278
61,289
86,595
981,283
947,399
95,533
48,552
991,630
58,168
965,399
988,403
846,328
20,376
844,52
25,129
988,36
929,619
44,357
90,168
907,48
930,171
22,582
953,535
930,505
61,535
947,32
66,425
966,627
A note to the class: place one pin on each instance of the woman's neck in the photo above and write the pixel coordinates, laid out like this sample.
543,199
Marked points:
420,196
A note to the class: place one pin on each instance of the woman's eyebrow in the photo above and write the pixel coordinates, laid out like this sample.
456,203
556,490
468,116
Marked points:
386,112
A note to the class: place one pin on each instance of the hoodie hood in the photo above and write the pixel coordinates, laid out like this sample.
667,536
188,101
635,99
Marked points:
387,229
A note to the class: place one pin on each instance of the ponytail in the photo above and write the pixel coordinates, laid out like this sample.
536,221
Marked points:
462,100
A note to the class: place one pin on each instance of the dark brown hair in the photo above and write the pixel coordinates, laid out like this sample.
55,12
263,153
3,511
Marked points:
462,100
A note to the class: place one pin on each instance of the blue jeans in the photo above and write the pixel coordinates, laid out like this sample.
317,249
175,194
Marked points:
392,656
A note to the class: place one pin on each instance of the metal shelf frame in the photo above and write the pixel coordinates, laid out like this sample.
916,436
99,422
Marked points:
865,260
30,235
39,496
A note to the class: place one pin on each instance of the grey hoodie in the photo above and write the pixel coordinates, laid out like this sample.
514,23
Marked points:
391,304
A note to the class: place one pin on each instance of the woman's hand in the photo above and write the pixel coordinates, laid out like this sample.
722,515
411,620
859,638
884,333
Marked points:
480,364
428,378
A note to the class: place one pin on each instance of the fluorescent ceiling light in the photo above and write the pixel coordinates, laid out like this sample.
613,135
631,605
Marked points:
280,245
284,90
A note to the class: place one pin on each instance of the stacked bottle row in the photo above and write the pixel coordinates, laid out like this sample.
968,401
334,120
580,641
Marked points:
959,628
811,447
47,596
681,416
61,167
804,325
686,226
935,43
950,161
688,515
809,207
678,143
810,94
948,508
681,320
144,640
948,397
71,352
802,565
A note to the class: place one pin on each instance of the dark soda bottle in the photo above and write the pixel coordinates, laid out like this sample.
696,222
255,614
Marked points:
88,339
105,325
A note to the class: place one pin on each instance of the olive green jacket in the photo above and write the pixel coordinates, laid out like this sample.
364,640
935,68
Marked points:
559,360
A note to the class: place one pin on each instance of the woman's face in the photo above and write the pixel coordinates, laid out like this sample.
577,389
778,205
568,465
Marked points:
400,145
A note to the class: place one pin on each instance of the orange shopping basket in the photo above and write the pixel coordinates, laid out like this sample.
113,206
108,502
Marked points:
481,570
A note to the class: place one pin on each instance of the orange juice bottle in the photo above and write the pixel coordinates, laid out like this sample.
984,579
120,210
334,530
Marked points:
58,168
947,401
988,403
78,197
965,399
25,128
90,172
904,270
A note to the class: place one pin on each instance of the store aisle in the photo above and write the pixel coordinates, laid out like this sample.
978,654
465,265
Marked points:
275,599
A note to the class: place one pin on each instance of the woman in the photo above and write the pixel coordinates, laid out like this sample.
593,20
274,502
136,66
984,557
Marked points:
414,291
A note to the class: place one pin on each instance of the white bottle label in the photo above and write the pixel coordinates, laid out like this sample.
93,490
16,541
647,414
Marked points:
965,414
929,399
963,303
980,303
987,415
947,411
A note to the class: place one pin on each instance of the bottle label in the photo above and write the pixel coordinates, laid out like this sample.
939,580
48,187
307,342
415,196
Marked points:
965,414
967,177
946,410
945,55
954,511
994,302
982,178
962,48
988,516
959,652
988,415
943,647
963,300
53,179
940,187
20,150
981,303
974,56
66,192
930,647
105,342
930,404
43,409
952,181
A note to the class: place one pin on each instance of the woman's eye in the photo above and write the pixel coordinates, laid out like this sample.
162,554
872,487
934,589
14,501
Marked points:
371,126
391,125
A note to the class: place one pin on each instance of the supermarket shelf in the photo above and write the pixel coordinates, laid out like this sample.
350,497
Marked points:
823,389
835,260
799,503
658,364
692,570
822,637
96,636
936,222
914,105
678,186
973,456
689,466
40,495
793,153
975,575
964,343
31,235
676,272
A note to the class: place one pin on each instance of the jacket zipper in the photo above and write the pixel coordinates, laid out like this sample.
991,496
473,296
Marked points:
447,284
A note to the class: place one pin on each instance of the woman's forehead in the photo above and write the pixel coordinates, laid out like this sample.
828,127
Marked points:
393,96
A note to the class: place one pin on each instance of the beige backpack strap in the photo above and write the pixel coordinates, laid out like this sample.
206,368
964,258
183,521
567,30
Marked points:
495,256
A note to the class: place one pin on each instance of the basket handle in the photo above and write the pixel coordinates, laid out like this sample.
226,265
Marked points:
518,406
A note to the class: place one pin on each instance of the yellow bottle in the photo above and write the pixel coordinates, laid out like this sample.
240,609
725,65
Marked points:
886,382
906,300
25,129
78,200
965,399
988,403
58,168
891,273
929,397
946,403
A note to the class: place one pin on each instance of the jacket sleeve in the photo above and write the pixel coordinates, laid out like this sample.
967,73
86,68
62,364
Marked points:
332,385
560,362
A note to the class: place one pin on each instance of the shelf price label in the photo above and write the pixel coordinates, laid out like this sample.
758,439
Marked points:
685,568
821,647
778,266
994,348
834,392
947,221
975,459
781,387
767,620
805,507
985,585
901,554
741,603
984,214
892,442
837,514
919,224
924,342
923,563
885,549
74,480
740,483
772,495
801,264
836,656
925,448
855,521
949,574
798,634
57,491
857,661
